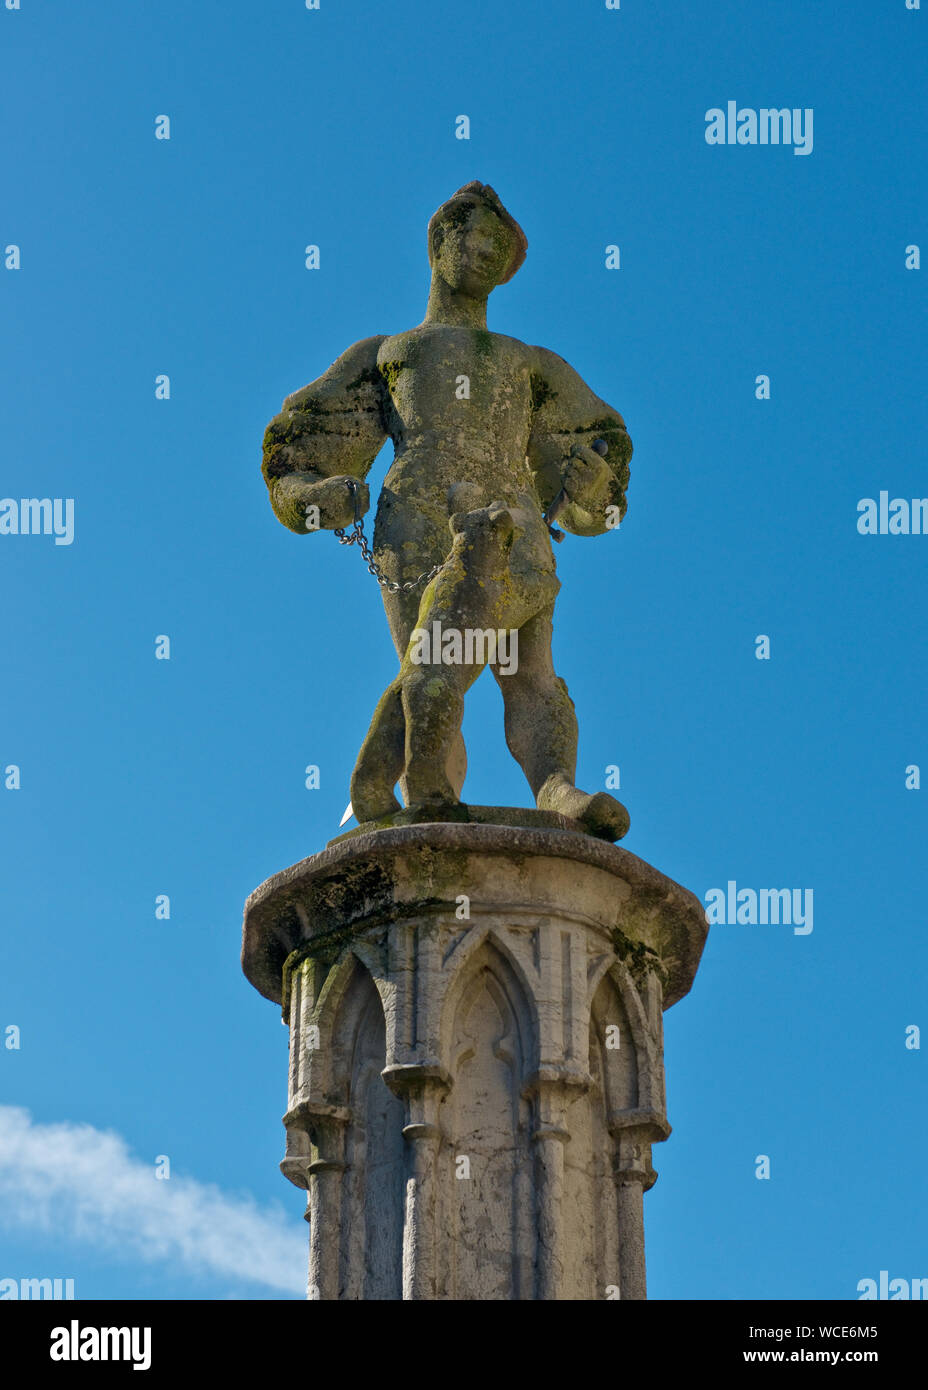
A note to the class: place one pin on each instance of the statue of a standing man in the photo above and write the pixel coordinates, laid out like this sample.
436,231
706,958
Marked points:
488,433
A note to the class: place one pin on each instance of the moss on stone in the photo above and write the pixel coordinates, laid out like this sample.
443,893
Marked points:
390,372
541,391
456,214
370,376
328,947
303,420
638,958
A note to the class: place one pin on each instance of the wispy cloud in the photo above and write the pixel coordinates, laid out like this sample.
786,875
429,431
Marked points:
84,1183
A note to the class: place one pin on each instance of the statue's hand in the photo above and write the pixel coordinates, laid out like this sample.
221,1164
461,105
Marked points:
586,478
335,498
305,503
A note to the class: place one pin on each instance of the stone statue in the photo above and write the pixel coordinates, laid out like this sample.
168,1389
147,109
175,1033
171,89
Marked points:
492,440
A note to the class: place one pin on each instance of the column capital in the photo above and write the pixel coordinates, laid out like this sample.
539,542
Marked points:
632,1163
639,1126
570,1082
316,1113
315,1140
404,1078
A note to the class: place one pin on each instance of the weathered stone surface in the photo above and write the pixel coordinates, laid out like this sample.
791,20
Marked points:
474,994
488,433
476,1063
522,817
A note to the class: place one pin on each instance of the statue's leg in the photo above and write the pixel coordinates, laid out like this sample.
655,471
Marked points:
541,732
433,704
402,614
456,608
382,758
380,761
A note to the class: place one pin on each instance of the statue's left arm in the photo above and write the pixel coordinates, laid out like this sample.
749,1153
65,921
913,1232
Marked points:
566,419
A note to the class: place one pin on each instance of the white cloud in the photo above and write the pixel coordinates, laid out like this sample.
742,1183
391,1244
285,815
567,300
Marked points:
83,1183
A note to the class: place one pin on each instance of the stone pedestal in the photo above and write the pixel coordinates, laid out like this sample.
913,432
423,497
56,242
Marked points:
476,1056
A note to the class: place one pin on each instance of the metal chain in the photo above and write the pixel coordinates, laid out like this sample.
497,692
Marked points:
360,539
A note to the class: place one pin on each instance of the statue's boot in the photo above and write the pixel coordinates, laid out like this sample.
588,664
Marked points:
598,812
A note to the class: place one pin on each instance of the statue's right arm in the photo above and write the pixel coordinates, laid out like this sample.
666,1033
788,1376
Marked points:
325,434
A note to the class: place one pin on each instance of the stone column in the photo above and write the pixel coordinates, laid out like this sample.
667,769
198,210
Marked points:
324,1208
634,1176
476,1054
315,1161
552,1093
422,1088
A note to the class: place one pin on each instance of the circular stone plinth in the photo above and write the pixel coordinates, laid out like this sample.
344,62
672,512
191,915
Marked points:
416,870
524,817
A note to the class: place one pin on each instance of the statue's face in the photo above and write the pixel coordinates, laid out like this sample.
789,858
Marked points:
472,248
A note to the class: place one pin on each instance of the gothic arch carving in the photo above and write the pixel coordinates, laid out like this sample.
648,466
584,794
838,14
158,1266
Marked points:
487,1186
461,966
370,1251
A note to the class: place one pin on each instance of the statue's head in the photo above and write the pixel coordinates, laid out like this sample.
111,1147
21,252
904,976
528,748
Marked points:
474,243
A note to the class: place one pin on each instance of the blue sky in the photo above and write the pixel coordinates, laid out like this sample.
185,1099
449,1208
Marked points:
140,1037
